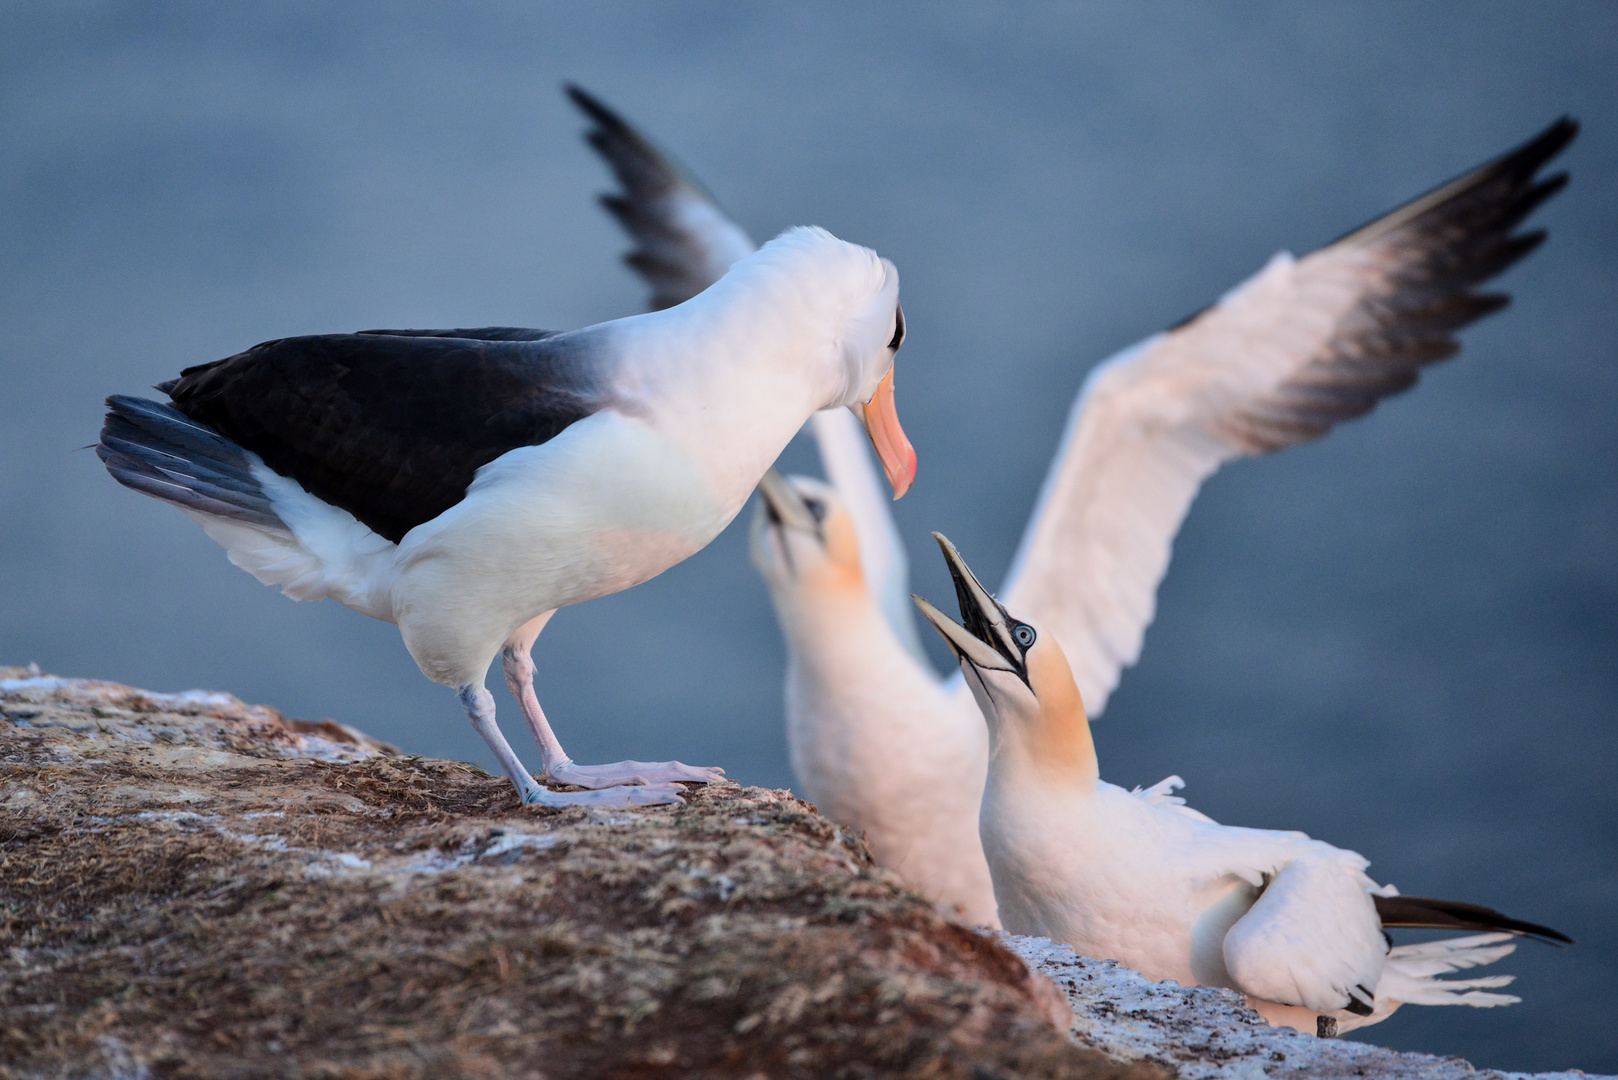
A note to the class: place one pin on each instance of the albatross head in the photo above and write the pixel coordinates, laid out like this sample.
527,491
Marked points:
854,292
803,538
1020,678
880,416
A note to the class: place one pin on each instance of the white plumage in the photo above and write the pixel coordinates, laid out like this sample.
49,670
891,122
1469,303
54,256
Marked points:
1293,923
878,740
592,461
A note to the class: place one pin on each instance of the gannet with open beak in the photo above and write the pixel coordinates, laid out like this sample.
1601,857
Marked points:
465,484
873,735
877,739
1293,923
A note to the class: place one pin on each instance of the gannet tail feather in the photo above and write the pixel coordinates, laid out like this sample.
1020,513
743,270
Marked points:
1428,913
1411,975
157,450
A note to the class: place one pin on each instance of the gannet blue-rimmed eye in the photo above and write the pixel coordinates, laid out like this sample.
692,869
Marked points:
1024,635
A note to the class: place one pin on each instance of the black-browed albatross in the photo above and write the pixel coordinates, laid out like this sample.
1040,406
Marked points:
464,484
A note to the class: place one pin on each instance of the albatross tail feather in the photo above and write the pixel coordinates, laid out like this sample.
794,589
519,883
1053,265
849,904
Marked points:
157,450
267,524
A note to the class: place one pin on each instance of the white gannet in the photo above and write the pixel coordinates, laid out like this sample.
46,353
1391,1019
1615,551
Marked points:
464,484
878,740
1293,923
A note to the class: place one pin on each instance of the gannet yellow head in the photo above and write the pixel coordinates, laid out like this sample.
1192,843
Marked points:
803,538
1020,678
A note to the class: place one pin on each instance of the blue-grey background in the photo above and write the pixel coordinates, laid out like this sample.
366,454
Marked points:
1403,639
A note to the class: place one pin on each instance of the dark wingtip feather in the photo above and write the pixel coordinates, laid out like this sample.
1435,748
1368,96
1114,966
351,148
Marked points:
1428,913
1519,163
593,108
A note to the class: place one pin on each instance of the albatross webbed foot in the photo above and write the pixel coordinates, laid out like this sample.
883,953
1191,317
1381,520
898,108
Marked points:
632,774
623,795
480,710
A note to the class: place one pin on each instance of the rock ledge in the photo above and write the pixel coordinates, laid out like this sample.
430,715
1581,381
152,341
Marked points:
1203,1033
195,887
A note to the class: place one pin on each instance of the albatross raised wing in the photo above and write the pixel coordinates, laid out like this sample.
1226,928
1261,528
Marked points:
1298,348
685,242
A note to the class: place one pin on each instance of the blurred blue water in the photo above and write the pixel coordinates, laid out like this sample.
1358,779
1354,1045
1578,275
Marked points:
1403,639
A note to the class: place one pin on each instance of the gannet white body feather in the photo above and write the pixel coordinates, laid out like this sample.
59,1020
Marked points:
1302,345
466,484
1293,923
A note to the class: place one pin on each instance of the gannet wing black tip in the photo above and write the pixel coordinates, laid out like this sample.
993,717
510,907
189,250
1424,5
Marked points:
1300,347
1511,172
1427,913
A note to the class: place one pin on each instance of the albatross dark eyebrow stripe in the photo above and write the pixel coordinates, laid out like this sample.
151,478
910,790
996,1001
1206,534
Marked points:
392,427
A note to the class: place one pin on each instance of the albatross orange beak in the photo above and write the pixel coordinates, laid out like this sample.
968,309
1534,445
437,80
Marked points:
881,420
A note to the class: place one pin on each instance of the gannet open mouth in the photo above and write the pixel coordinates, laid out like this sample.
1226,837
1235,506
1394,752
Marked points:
1293,923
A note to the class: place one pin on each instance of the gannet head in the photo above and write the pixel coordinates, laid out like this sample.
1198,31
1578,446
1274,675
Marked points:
1020,678
803,539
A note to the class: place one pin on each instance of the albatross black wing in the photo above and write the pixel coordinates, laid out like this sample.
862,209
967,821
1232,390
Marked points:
391,427
474,333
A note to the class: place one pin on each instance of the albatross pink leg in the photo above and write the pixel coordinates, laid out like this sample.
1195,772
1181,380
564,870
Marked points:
480,709
519,665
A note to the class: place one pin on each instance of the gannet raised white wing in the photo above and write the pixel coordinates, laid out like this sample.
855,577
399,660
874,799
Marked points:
465,484
1293,923
1298,348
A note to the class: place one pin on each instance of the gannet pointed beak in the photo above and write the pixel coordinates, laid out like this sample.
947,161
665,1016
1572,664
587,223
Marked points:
881,419
783,503
960,640
980,612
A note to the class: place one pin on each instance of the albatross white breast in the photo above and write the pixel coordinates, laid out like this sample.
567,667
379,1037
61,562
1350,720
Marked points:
1293,923
878,739
465,484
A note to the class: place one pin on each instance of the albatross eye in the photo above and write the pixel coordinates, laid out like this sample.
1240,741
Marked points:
898,328
1024,635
